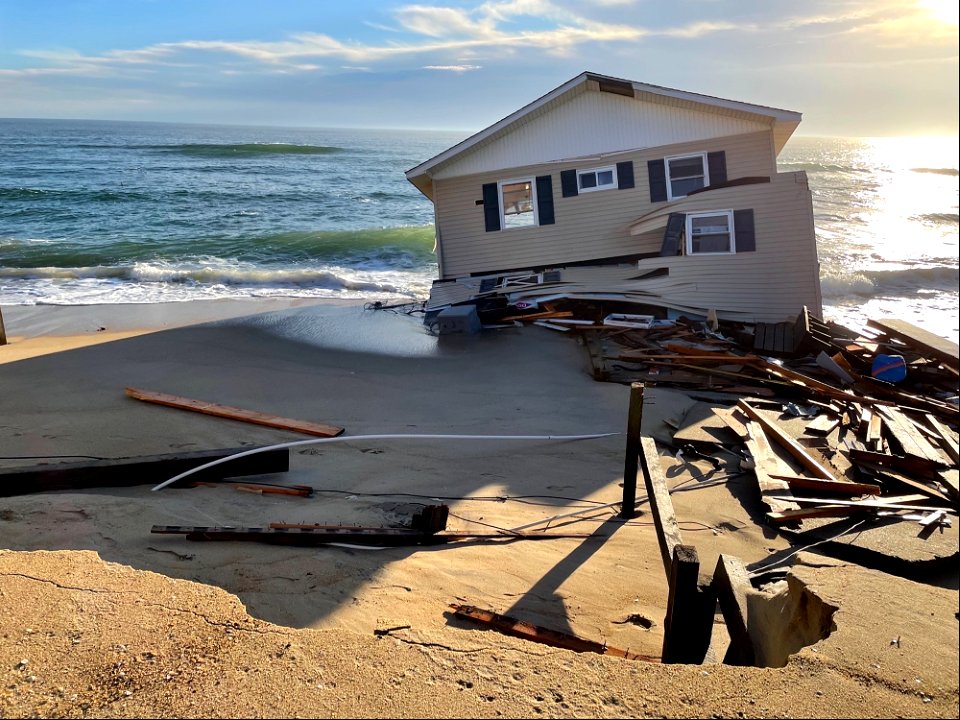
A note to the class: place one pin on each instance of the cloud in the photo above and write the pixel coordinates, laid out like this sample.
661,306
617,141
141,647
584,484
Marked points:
453,68
458,39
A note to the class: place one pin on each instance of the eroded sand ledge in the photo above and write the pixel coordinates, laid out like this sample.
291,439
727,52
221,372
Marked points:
104,640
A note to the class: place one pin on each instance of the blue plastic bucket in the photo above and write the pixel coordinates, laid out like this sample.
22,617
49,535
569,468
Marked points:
891,368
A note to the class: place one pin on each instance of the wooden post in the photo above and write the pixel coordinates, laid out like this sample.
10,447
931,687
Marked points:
731,585
3,332
627,510
688,624
658,495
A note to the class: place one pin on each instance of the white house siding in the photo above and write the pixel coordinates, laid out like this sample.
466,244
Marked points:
767,285
589,226
591,123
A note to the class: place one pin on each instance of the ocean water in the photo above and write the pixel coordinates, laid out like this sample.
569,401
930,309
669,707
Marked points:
104,212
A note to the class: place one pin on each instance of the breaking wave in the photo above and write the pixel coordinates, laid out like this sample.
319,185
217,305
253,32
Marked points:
903,282
937,171
245,149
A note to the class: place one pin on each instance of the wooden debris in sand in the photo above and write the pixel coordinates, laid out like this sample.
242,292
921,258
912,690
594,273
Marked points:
232,413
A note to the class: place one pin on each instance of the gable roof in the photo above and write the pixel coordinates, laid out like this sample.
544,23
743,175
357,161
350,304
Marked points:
783,122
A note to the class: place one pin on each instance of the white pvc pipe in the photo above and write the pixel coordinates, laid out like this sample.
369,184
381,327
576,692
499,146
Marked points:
347,438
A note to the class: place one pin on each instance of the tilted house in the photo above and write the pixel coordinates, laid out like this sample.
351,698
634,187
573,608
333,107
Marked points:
607,188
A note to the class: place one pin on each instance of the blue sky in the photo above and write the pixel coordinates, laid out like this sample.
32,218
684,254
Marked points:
852,67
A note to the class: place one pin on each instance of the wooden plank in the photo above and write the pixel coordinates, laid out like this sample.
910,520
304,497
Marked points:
788,443
906,435
782,517
889,475
735,420
658,495
144,470
731,585
822,424
911,464
765,464
546,636
837,486
232,413
876,504
689,619
945,438
923,341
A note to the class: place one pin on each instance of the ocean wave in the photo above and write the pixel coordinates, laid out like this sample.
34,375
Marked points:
938,218
82,195
244,149
937,171
407,246
253,277
901,282
821,168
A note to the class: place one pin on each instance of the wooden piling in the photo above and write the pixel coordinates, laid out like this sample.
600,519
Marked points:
634,418
3,331
688,624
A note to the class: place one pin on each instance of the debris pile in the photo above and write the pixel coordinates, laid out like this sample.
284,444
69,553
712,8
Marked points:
833,422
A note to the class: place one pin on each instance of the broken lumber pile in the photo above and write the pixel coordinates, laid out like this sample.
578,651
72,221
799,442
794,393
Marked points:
831,434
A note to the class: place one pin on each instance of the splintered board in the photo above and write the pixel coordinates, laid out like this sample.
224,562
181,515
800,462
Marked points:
232,413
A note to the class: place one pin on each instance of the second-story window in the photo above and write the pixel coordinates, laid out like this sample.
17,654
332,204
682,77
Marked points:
686,173
597,179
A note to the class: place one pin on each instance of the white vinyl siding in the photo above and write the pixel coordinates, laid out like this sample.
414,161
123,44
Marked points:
588,226
588,123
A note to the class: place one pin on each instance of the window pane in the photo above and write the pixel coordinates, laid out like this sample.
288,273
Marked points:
517,204
710,233
605,177
588,180
680,188
686,167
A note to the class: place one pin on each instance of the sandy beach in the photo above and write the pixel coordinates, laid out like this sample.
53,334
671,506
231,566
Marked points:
101,618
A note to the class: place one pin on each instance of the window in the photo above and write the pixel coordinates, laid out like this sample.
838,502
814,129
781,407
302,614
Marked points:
685,174
518,203
597,179
710,232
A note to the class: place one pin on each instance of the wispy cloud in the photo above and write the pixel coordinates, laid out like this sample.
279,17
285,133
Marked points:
453,68
440,36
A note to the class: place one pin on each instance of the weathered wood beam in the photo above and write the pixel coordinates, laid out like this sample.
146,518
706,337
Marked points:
923,341
538,634
658,495
945,438
787,442
232,413
145,470
906,435
731,585
688,624
837,486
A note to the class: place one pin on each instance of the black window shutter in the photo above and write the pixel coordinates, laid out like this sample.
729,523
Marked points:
545,200
491,207
671,236
568,183
746,236
625,175
717,165
658,180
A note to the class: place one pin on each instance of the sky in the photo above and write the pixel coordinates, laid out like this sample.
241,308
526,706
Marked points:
852,67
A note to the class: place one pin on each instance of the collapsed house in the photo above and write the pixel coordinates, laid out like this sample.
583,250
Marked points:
611,190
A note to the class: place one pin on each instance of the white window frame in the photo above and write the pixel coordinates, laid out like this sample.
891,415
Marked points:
533,197
597,170
688,232
687,156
